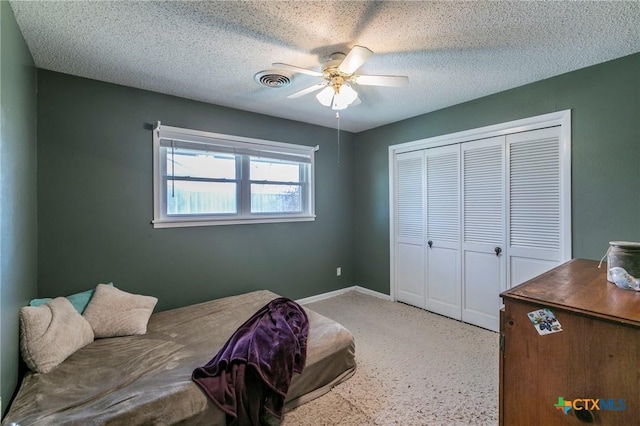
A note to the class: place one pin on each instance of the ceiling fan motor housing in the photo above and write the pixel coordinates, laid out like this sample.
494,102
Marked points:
335,59
331,72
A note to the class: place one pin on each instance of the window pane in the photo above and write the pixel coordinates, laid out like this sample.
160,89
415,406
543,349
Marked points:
274,170
193,163
200,197
267,198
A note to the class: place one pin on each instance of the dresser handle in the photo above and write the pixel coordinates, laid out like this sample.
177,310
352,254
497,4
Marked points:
430,243
498,250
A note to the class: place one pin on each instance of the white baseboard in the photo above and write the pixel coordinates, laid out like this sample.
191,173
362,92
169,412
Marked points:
328,295
372,293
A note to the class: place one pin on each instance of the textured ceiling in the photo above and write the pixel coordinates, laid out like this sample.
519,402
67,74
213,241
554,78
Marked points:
209,51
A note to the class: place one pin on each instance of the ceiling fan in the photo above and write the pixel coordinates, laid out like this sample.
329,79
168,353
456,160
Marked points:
339,77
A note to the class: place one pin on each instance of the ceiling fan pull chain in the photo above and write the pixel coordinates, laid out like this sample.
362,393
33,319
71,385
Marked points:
338,118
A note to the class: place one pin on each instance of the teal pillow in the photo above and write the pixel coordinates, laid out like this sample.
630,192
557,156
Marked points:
78,300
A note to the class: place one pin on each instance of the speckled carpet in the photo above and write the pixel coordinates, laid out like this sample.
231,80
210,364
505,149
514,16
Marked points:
414,368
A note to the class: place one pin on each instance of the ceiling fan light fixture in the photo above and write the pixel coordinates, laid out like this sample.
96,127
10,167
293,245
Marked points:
338,105
325,96
343,98
348,93
337,99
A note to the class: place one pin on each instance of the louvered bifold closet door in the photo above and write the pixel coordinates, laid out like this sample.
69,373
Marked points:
483,231
409,267
443,231
535,204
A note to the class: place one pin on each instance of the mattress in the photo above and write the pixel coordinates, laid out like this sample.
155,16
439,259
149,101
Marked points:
137,380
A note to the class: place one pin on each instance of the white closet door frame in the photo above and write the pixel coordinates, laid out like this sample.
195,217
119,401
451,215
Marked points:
560,118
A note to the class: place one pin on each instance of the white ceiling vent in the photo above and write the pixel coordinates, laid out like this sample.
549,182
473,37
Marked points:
273,78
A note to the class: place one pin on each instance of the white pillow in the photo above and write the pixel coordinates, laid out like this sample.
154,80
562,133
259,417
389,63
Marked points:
50,333
113,312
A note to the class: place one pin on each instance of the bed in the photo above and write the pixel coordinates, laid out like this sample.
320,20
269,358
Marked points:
146,379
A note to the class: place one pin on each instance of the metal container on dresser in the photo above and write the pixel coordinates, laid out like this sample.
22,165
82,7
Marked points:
587,373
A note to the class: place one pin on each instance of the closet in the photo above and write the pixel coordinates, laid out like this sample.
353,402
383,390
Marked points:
476,213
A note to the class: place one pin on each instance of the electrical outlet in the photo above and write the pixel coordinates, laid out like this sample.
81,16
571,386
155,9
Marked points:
338,271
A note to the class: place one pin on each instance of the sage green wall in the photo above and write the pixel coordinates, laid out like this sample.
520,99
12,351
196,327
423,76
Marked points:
95,200
605,104
18,226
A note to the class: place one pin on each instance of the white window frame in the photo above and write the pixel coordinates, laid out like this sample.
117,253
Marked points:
237,145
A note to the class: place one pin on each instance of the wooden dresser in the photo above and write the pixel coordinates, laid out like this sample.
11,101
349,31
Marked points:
593,364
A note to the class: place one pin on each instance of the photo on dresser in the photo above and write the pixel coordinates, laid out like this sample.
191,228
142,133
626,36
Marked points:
544,321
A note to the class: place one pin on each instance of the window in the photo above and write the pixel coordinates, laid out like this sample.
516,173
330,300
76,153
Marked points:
203,178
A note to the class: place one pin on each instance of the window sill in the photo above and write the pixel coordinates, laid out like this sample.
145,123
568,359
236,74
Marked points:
182,222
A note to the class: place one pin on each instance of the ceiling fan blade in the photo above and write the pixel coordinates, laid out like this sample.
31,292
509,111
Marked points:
308,90
297,69
382,80
354,59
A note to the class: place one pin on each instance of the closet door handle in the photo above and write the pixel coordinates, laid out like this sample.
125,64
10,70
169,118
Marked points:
498,250
430,243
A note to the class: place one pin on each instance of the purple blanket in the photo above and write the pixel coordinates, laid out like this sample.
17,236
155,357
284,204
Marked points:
250,376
